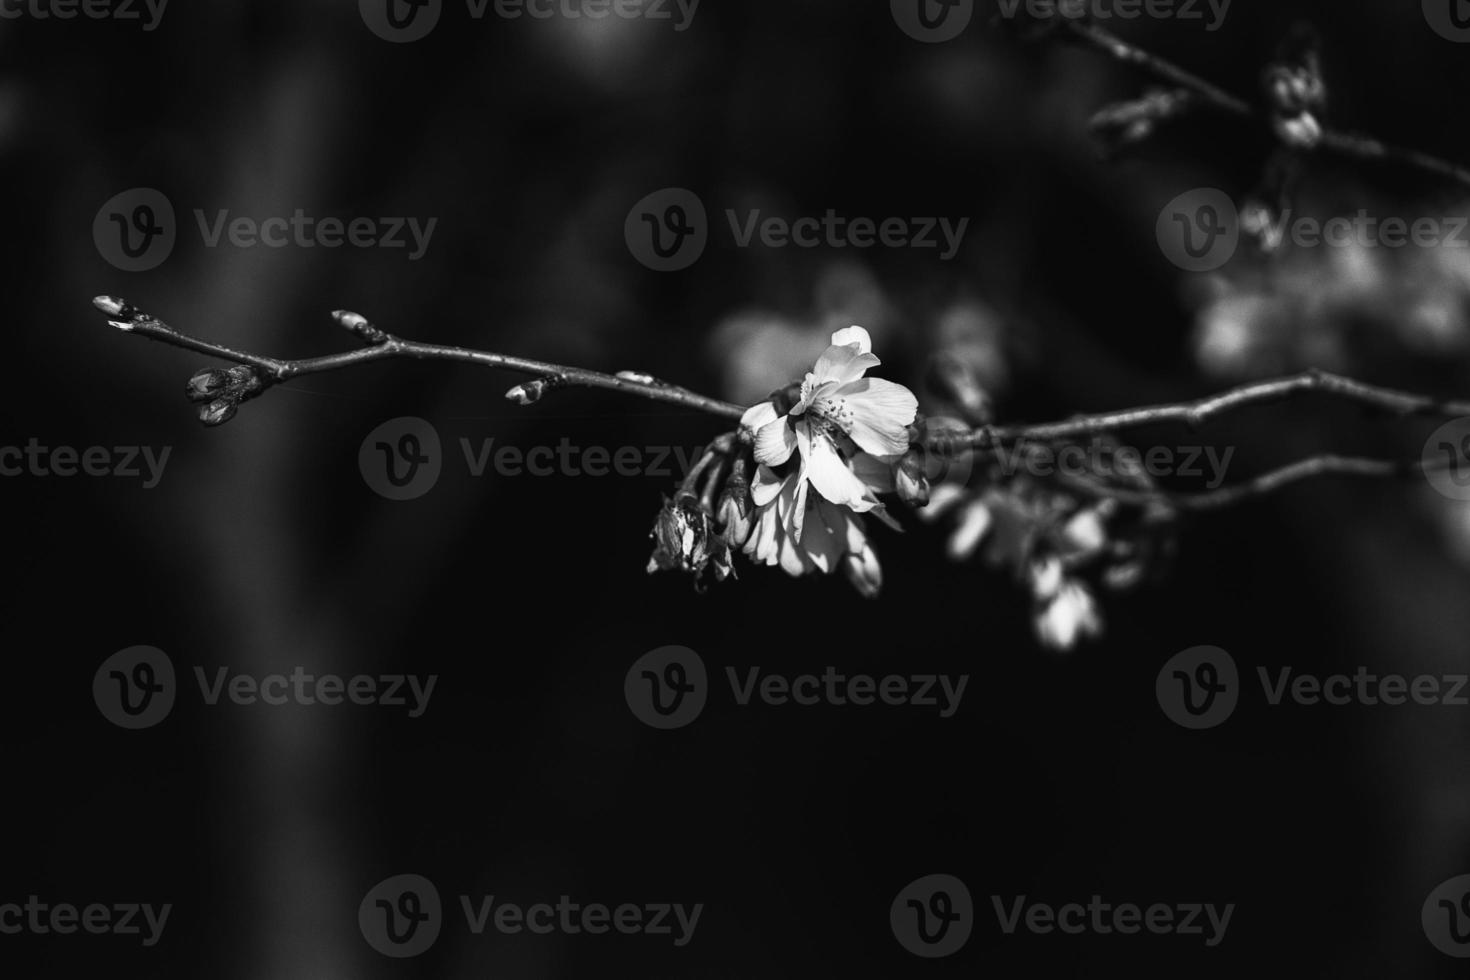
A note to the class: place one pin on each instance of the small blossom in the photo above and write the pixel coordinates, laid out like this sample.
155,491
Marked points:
838,409
864,572
734,513
911,479
1068,616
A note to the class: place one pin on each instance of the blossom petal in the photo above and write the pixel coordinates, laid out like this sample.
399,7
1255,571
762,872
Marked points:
875,472
766,486
833,478
842,364
798,509
853,335
877,415
1069,616
759,416
973,525
775,442
822,542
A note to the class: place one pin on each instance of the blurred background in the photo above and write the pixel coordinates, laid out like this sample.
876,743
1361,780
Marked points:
263,548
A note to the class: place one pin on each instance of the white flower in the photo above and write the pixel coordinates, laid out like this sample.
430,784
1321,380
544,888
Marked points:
837,403
1068,617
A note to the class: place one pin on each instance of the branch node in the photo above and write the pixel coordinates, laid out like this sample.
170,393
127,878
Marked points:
360,327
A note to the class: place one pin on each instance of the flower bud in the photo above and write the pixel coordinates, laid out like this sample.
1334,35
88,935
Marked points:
911,479
219,411
864,572
681,536
206,385
113,306
733,515
1301,132
359,325
532,391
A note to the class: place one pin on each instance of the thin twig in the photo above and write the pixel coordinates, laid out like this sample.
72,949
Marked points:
1352,145
132,320
1196,413
1265,483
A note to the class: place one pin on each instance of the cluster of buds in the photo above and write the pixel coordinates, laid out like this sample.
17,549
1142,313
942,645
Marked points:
686,539
219,391
1296,93
1061,546
689,536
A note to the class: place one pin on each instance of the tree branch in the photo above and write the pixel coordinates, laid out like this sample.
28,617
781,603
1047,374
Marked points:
1351,145
259,372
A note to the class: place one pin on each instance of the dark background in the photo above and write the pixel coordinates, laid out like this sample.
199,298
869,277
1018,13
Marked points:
528,777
